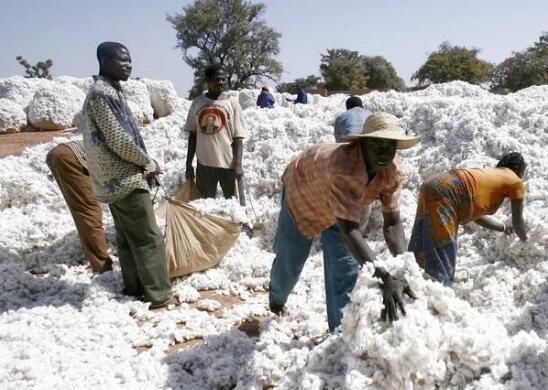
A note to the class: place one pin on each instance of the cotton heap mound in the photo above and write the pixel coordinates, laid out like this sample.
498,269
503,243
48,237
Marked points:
489,331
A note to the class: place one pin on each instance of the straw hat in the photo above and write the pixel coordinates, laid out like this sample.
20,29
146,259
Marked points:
385,125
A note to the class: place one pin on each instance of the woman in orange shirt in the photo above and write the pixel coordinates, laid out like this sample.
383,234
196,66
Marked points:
457,197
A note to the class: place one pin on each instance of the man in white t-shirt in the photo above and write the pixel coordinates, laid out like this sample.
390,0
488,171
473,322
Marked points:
216,128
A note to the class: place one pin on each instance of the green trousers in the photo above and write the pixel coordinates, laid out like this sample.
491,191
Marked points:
141,247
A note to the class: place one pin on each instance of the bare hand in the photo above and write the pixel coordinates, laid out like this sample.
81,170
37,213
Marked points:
189,173
392,295
238,172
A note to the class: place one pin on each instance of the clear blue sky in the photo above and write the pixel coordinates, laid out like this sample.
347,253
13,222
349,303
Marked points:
68,31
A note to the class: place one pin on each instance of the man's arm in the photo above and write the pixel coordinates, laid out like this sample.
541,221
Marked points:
191,151
393,233
237,152
354,241
518,223
392,288
490,223
116,137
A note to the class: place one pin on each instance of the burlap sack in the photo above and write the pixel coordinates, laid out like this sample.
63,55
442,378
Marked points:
196,241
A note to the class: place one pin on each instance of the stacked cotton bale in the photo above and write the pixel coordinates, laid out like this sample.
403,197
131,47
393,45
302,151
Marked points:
162,96
136,92
55,107
84,83
12,116
57,104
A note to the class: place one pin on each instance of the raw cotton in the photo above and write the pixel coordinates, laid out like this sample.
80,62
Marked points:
12,116
488,331
55,107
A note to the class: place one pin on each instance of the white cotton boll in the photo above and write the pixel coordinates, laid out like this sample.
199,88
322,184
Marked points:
137,113
248,98
163,96
20,89
55,106
439,329
136,91
209,305
488,331
12,116
84,83
186,293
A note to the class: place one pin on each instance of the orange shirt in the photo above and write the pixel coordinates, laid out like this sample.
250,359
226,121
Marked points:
329,181
489,186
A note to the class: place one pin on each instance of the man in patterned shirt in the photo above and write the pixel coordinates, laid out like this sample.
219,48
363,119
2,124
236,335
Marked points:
68,165
121,170
325,189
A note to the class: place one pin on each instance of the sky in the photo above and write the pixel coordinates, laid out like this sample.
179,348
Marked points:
404,32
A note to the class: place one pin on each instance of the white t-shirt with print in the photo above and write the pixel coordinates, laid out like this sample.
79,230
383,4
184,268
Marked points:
216,124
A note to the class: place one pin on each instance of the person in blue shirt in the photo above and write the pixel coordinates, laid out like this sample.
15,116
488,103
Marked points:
265,99
351,121
301,96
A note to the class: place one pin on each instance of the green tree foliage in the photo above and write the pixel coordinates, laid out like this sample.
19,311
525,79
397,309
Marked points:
523,69
308,82
450,63
229,32
41,70
381,75
342,70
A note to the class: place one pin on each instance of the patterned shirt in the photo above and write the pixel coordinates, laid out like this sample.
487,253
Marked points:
116,154
330,181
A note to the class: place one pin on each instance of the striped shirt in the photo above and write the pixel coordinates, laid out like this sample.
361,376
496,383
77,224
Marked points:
77,148
330,181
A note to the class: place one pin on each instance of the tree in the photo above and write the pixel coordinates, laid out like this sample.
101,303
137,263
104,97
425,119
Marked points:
308,82
450,63
381,75
523,69
232,33
40,70
342,70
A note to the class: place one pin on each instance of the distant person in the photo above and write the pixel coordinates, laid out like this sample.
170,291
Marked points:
216,128
265,99
121,171
351,121
302,97
68,165
325,188
457,197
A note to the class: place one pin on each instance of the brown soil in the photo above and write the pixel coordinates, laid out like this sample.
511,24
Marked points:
249,326
15,143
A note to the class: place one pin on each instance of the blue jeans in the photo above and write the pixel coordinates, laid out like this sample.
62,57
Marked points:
292,249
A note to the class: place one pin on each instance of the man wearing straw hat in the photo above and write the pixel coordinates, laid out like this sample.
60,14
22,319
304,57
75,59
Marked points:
325,189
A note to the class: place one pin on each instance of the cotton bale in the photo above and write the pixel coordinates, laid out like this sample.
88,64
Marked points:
12,116
55,107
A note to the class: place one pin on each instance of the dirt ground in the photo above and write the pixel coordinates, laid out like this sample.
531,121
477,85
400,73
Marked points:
15,143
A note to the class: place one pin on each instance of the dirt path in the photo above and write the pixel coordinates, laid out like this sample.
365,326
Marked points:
15,143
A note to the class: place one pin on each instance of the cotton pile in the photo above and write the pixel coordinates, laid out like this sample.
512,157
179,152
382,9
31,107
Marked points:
69,328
